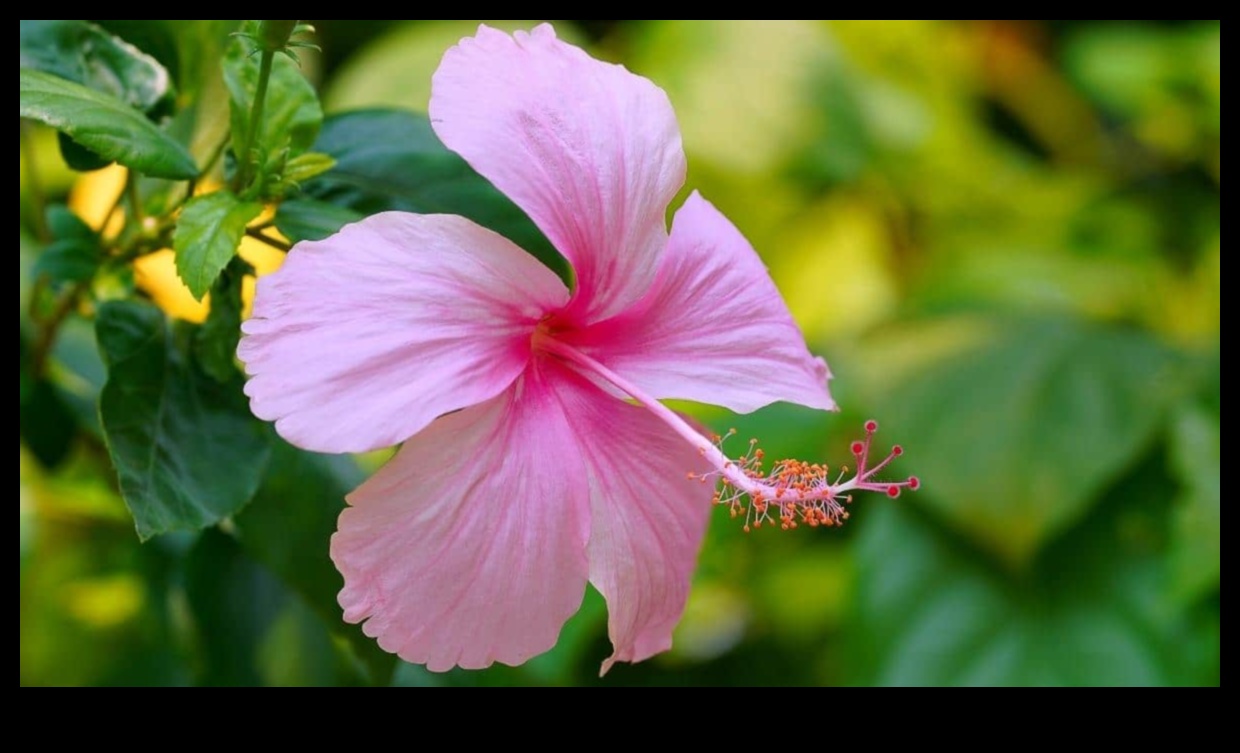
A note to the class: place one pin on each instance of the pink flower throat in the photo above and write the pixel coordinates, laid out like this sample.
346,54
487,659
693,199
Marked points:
790,493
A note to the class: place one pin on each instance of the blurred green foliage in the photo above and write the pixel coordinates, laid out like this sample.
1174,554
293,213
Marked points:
1004,236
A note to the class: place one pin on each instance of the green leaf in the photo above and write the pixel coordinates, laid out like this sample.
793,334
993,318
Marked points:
45,424
234,602
303,167
312,220
252,629
932,612
289,527
84,53
288,179
189,50
216,342
74,255
76,368
291,113
208,233
186,449
1197,528
388,159
160,39
1014,436
103,124
78,157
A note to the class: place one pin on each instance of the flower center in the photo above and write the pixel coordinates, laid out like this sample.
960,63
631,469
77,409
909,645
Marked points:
790,492
547,330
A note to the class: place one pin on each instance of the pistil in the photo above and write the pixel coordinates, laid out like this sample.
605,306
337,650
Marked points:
791,492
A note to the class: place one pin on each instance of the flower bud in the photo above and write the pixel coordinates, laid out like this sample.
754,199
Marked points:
274,35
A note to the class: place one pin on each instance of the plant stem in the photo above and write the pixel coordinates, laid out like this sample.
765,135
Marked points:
135,201
275,243
246,173
207,167
50,328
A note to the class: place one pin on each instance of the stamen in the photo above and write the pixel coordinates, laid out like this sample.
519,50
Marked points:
795,492
790,493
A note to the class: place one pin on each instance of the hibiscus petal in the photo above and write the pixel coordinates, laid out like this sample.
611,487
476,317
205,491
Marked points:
590,151
469,547
713,327
362,339
648,519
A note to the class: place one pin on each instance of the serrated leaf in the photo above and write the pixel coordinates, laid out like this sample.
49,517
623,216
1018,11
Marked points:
1014,437
84,53
208,233
312,220
291,113
186,449
389,159
103,124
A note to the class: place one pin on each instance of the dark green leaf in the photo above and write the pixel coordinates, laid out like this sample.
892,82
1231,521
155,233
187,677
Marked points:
45,424
1196,455
186,449
251,628
234,602
159,39
389,159
208,233
289,527
86,54
312,220
76,368
933,612
216,341
1014,436
103,124
79,157
74,255
189,50
291,113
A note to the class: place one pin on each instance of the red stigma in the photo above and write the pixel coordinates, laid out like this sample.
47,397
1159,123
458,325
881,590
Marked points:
893,491
914,482
857,448
897,450
871,426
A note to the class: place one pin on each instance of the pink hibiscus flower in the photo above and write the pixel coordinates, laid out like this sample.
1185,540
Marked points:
527,469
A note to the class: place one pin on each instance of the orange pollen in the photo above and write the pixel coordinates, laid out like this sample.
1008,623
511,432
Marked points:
791,492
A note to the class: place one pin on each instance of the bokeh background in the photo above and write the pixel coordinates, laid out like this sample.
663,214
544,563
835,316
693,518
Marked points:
1005,238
